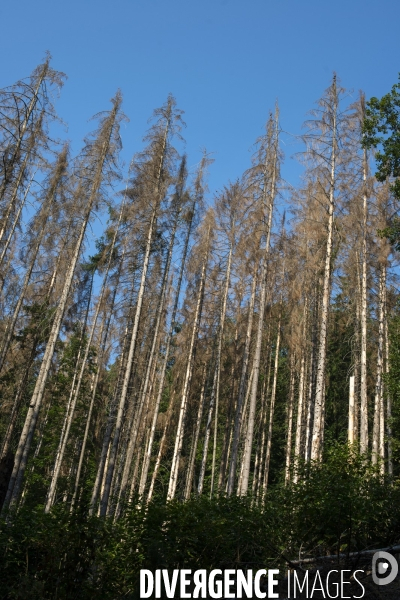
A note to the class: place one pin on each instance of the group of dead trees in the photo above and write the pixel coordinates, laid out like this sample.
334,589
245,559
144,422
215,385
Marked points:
190,354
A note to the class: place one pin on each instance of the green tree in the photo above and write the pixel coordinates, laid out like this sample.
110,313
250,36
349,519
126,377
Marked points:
381,130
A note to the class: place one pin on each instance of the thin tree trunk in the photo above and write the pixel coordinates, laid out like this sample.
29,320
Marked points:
68,415
257,353
214,399
228,424
261,450
147,455
160,450
95,383
290,420
363,361
160,312
388,405
242,388
22,131
15,222
350,436
300,401
318,425
21,456
192,458
173,480
378,409
312,379
133,342
11,325
75,389
272,404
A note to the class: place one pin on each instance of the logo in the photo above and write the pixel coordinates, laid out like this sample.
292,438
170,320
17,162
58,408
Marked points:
384,568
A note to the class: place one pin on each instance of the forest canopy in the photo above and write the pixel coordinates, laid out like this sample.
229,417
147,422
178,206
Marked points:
211,354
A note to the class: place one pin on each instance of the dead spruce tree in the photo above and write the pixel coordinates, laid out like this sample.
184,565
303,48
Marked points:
198,266
23,106
266,175
325,141
151,178
95,168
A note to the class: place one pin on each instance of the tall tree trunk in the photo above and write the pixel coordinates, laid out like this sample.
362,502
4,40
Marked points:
378,408
272,404
363,360
21,134
160,312
133,341
242,388
75,388
214,399
69,413
318,426
300,401
16,219
161,449
103,336
21,456
350,435
59,172
290,419
263,283
147,455
173,480
192,457
388,405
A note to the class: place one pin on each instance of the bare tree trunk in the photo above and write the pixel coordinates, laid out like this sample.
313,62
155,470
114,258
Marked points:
357,356
242,388
147,455
215,386
75,389
312,377
378,409
138,424
228,424
300,401
188,375
15,222
21,134
244,428
350,436
160,311
21,456
290,419
263,282
98,487
265,395
272,404
192,458
69,413
388,405
103,335
161,449
318,427
133,342
363,362
60,169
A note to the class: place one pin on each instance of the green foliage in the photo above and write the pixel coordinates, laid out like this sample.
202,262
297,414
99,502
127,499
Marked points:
392,384
342,504
381,129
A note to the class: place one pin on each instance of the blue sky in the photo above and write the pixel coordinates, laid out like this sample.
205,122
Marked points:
226,61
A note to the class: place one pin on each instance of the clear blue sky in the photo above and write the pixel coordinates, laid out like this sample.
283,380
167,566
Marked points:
226,61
